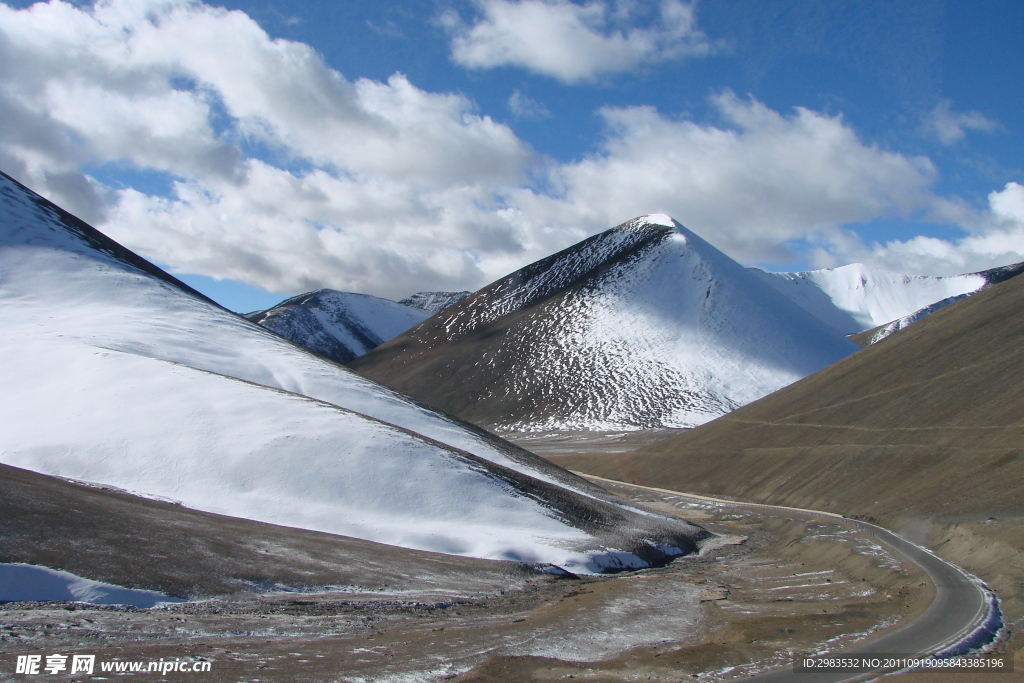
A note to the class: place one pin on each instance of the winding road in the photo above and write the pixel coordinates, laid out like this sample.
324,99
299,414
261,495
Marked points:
960,607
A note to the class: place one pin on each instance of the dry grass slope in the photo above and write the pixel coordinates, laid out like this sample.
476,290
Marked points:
923,432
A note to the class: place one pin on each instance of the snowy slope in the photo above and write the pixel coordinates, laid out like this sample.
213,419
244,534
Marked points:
856,298
434,302
991,277
888,329
344,325
112,372
644,325
339,325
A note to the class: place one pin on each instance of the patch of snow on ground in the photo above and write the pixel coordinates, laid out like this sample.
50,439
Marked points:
657,612
23,582
660,219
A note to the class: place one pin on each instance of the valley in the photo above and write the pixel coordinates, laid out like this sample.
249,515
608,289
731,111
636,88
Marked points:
314,521
771,585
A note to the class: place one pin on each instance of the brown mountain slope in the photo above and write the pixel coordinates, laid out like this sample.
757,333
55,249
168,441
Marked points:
923,432
928,421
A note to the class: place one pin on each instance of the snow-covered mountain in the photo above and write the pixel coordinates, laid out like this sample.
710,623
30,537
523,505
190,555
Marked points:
434,302
112,371
992,277
856,297
344,325
338,325
644,325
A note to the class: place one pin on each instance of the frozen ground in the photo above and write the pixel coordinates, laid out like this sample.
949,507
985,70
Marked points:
713,614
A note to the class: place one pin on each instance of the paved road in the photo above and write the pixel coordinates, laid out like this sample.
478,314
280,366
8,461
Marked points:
959,607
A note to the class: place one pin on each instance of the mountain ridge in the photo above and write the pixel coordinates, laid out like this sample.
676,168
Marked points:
434,302
340,326
855,298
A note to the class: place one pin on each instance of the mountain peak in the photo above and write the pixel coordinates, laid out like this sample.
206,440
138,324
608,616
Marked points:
340,326
644,325
659,219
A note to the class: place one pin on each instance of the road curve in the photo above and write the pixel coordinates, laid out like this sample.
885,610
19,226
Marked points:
960,607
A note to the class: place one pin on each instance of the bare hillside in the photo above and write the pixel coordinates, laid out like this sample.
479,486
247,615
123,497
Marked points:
923,432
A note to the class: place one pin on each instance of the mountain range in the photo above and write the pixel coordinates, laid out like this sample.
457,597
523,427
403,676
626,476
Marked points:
857,298
644,325
641,383
115,373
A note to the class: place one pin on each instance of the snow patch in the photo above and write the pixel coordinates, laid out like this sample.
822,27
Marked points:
25,582
660,219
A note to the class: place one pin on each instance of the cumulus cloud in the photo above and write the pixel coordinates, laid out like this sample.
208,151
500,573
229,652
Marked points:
574,42
950,127
522,107
287,175
759,180
292,234
185,89
995,238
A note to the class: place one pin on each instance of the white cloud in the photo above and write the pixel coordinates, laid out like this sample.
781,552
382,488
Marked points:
522,107
573,42
385,188
140,81
748,187
994,237
184,89
1008,205
292,234
950,127
288,233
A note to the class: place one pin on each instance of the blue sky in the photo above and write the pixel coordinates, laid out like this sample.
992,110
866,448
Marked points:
260,149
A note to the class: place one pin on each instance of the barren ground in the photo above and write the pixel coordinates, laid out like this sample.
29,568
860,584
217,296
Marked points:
777,586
